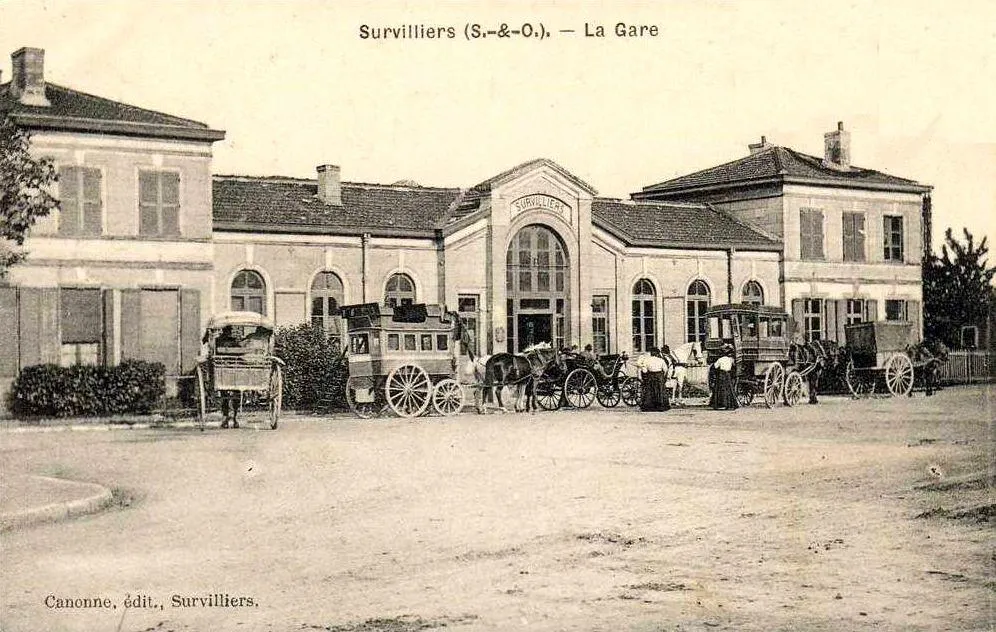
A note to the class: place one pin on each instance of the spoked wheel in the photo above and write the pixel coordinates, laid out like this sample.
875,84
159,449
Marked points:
580,388
794,388
276,395
774,381
447,397
201,396
364,399
899,374
549,394
745,393
630,391
858,383
409,390
608,395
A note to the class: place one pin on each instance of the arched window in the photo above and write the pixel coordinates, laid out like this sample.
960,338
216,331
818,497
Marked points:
644,316
326,296
249,292
400,290
697,302
753,293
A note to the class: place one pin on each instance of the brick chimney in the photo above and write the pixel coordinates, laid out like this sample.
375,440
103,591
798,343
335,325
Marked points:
837,148
756,148
27,84
329,185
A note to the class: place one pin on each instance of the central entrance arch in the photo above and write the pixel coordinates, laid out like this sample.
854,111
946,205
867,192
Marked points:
537,288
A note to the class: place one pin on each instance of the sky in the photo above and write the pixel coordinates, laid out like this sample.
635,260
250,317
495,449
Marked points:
295,85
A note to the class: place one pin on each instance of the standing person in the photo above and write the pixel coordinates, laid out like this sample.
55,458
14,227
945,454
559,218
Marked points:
721,379
653,371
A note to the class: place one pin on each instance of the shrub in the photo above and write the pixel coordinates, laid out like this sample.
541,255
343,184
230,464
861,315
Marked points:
315,371
48,390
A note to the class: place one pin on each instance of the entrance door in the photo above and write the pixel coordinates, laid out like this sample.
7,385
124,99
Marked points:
537,286
533,329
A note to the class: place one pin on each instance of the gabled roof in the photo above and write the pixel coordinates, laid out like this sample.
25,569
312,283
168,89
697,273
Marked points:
72,110
516,171
782,164
672,224
289,205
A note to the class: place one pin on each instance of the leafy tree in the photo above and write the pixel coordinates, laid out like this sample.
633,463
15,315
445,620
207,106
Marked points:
24,191
957,288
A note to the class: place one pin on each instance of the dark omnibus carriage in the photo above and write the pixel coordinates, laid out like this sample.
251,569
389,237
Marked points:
239,368
878,355
404,358
759,335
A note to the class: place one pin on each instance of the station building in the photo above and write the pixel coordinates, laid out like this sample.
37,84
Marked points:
148,244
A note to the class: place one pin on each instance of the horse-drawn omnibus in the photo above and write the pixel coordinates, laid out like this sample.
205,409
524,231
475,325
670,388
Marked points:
760,339
403,358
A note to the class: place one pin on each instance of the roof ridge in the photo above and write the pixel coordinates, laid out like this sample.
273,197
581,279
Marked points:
297,180
129,106
650,187
658,203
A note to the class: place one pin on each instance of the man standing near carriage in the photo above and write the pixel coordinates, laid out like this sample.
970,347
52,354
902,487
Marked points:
723,395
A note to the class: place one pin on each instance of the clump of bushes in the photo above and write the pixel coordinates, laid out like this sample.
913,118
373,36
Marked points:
315,370
49,390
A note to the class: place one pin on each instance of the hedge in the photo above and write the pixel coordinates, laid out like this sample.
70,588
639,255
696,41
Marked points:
49,390
315,369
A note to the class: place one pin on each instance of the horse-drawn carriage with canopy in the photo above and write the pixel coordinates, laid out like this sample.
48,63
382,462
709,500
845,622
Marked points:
402,358
239,369
887,356
761,352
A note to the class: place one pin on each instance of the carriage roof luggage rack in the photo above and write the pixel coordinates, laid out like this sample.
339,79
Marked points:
225,319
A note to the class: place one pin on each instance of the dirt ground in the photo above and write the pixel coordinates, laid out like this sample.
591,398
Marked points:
850,515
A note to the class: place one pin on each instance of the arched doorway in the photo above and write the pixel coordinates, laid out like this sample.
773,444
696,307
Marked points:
537,286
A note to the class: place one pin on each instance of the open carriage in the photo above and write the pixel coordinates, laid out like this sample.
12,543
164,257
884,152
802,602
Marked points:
575,382
239,370
878,356
764,366
402,358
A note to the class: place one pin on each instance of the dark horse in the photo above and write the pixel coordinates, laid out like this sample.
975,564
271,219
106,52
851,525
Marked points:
508,369
826,358
929,356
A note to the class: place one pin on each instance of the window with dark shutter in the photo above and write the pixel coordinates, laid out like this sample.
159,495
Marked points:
81,326
80,206
811,233
854,236
159,203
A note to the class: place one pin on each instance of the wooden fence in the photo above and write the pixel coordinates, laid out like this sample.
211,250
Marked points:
969,367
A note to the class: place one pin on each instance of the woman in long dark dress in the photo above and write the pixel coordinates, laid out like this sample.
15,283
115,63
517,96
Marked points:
724,395
654,396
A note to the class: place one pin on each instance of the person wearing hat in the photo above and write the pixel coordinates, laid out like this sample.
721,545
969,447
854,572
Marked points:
721,379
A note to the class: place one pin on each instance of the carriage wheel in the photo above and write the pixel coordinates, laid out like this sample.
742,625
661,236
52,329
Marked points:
774,381
549,393
899,374
447,397
580,388
630,391
201,396
363,410
276,395
608,395
409,390
794,388
857,382
745,393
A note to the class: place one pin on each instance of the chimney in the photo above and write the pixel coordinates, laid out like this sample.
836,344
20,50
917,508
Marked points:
329,185
756,148
837,148
27,84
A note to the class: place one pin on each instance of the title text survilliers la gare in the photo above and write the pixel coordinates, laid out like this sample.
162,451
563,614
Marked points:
423,31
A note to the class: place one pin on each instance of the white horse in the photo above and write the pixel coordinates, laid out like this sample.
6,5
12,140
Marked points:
683,356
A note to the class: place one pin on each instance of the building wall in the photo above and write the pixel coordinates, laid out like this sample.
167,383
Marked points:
174,274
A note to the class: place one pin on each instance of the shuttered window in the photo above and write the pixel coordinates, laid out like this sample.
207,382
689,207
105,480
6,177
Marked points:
854,236
811,233
892,233
80,207
159,203
81,326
